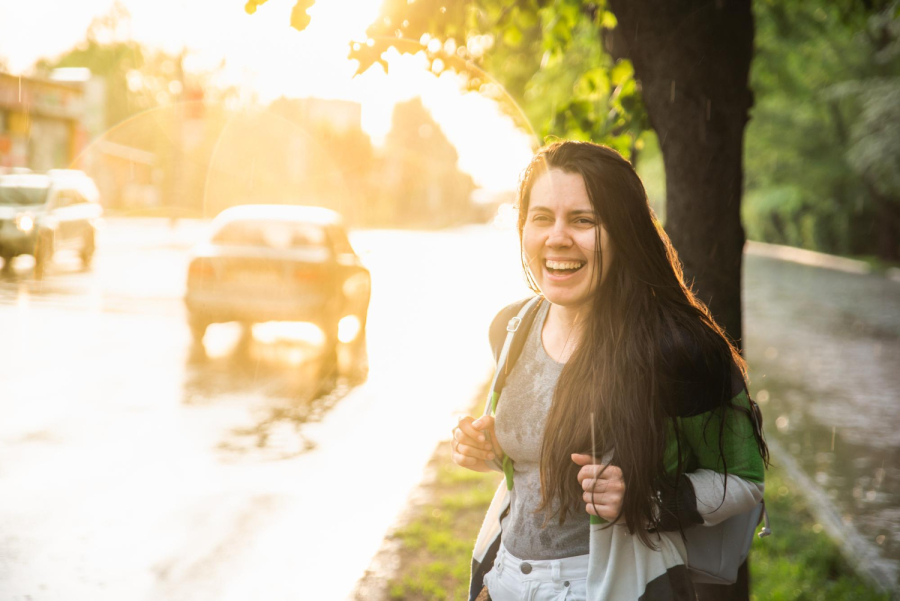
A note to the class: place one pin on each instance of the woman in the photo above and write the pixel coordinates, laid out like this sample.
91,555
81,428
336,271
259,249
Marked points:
621,353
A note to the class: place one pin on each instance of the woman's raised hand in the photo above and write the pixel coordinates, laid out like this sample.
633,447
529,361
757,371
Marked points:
474,442
603,493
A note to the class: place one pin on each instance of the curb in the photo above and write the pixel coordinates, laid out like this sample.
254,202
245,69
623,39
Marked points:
816,259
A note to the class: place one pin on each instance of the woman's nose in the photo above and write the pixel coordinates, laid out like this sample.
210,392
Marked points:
559,236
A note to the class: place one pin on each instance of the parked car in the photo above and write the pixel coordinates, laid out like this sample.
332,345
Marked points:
278,263
43,213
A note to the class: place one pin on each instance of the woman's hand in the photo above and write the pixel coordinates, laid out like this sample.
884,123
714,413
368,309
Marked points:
602,495
474,442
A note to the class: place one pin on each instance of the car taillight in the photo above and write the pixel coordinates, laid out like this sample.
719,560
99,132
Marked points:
201,270
305,274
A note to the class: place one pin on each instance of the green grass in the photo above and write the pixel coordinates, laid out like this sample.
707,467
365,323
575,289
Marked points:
436,545
799,562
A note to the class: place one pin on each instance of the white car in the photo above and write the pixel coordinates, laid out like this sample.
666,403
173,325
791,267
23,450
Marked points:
278,263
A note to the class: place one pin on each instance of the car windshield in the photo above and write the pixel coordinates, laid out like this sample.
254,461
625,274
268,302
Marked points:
23,193
272,234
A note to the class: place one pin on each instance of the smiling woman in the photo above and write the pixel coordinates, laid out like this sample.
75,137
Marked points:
615,344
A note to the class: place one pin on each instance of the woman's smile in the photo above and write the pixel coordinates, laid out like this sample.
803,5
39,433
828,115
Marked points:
561,270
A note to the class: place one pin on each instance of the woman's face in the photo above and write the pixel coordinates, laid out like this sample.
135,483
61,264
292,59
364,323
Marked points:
559,239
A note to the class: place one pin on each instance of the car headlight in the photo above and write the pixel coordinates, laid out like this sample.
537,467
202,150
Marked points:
25,223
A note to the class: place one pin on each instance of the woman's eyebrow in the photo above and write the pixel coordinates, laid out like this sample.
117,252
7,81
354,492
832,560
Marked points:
574,213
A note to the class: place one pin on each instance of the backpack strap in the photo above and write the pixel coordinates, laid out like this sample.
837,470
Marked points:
506,359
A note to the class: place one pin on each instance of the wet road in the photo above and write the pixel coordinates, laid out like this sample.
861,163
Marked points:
136,466
824,352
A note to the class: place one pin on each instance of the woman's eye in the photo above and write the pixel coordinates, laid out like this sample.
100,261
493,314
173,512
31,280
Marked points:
585,221
540,218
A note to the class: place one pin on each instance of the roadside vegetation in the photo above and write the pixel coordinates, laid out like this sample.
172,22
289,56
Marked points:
798,562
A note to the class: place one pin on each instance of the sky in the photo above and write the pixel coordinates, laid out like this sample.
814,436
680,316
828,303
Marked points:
262,52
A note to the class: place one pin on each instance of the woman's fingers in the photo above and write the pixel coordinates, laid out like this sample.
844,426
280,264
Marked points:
475,436
470,446
472,451
599,472
602,486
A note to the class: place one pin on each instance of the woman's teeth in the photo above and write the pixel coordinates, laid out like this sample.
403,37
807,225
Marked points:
563,265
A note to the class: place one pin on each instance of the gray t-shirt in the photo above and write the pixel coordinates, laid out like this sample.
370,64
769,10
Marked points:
520,421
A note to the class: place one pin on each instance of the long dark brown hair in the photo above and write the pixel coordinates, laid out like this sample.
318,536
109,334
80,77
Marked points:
642,329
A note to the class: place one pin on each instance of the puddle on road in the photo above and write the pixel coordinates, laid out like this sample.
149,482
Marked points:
281,383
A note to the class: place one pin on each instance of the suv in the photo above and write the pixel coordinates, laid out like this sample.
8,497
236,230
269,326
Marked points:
43,213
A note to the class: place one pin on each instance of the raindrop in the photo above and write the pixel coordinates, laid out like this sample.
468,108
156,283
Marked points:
870,496
436,512
879,540
817,528
762,397
437,66
782,423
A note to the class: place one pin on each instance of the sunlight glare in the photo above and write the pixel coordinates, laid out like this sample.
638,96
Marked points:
348,329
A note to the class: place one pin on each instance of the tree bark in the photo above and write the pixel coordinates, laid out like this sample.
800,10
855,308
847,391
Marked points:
692,58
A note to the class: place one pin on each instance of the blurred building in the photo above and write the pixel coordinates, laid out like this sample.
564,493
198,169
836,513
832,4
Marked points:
339,115
40,122
126,176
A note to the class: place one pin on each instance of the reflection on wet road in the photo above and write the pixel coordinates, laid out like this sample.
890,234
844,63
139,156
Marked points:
146,467
823,348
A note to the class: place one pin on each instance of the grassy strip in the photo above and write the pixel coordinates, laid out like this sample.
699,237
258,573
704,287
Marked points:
798,562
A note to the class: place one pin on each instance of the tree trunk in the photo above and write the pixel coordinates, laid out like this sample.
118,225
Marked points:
692,58
693,61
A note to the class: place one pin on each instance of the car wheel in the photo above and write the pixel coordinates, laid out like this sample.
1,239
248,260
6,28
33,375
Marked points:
329,366
359,353
198,329
87,250
43,253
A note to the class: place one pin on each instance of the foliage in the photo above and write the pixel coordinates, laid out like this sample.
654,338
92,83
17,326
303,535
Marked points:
300,18
822,133
420,181
543,60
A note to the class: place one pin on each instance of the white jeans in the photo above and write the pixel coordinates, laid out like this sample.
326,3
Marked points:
513,579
